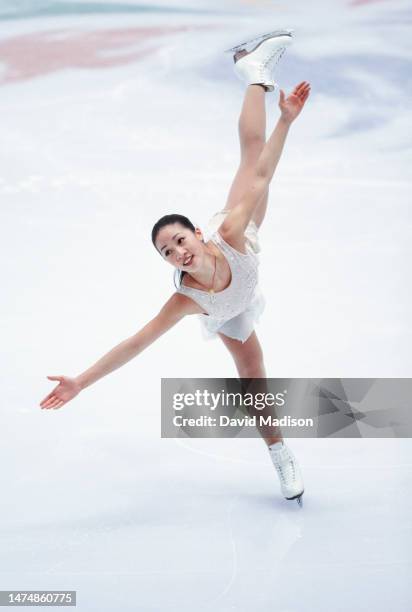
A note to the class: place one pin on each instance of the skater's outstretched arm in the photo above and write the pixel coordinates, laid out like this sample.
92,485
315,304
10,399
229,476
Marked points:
239,216
177,307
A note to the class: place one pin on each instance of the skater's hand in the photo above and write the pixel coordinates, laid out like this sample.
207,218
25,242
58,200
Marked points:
66,390
292,105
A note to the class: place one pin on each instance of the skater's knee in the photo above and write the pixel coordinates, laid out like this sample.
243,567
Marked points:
252,143
255,369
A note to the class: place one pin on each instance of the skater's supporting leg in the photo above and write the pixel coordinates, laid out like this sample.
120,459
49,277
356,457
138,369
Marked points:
252,137
248,358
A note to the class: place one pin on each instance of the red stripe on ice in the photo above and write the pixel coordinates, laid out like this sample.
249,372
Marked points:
32,55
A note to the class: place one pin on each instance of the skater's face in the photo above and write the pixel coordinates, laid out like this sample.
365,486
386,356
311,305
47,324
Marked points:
181,247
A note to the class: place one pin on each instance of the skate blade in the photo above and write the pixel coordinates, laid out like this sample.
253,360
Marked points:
298,499
259,39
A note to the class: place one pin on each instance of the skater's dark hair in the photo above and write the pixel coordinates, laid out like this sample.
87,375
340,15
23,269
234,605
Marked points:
168,220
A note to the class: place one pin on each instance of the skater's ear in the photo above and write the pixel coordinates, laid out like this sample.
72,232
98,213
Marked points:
199,234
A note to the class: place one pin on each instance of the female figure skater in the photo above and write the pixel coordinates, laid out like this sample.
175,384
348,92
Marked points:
218,278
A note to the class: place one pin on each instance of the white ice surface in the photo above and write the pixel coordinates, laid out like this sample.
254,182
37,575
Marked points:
93,500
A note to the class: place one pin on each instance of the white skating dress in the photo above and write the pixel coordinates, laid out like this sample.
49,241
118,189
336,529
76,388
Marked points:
235,310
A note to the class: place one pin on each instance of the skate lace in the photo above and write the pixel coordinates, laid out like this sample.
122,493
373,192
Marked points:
271,61
286,471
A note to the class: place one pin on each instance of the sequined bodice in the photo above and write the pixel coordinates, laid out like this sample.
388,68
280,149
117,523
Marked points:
233,300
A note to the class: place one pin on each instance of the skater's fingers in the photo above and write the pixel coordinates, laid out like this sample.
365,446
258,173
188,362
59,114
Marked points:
51,394
45,399
48,403
59,405
55,403
299,87
281,96
303,94
49,406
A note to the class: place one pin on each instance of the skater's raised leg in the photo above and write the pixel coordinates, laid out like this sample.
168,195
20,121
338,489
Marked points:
255,63
252,138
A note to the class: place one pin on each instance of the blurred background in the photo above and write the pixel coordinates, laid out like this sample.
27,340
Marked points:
114,114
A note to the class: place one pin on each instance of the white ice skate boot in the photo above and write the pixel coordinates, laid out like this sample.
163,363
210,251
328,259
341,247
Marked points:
291,482
257,64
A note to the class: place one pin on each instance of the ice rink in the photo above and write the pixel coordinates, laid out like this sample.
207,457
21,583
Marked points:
114,114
